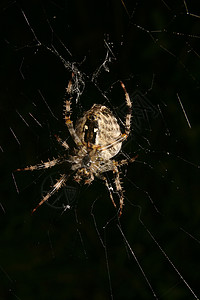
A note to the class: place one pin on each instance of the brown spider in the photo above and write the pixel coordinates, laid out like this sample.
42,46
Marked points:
98,139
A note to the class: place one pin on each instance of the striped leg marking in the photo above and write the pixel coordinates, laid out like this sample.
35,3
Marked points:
119,190
129,114
67,114
61,142
60,183
43,165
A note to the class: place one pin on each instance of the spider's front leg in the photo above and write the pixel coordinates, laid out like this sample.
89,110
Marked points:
67,114
122,137
125,135
129,114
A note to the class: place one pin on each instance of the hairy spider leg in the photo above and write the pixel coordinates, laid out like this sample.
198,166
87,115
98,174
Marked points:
61,142
126,161
60,183
124,135
43,165
117,179
129,114
67,114
110,189
119,190
118,185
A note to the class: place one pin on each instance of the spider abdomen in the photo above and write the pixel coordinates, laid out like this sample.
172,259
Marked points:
99,127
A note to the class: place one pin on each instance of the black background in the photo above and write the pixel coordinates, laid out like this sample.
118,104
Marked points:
55,255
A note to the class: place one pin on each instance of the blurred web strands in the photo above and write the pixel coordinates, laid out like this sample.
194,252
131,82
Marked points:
184,112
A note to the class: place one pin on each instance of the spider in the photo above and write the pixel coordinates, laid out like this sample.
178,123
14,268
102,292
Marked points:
98,139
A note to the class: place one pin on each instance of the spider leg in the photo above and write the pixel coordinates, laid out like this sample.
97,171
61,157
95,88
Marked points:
110,189
67,114
61,142
43,165
61,182
126,161
119,190
117,179
124,135
129,114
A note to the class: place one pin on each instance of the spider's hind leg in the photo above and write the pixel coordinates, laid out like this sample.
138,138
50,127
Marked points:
110,189
118,182
119,189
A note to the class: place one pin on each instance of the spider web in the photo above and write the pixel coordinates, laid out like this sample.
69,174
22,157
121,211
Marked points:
77,248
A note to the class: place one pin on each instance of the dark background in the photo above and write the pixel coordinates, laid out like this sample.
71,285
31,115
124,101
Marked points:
81,253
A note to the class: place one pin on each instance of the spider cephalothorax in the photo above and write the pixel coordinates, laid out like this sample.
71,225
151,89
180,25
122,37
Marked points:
98,139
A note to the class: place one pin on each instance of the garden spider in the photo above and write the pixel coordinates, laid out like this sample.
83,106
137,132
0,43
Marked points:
98,139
